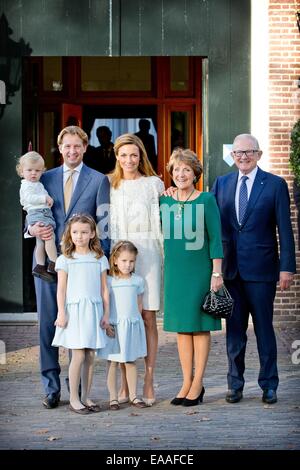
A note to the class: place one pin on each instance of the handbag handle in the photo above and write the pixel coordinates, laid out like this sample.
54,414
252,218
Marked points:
224,289
213,297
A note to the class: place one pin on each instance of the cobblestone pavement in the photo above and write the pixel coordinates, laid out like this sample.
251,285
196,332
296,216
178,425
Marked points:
250,424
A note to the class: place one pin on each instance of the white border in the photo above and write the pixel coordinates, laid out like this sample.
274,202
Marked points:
259,77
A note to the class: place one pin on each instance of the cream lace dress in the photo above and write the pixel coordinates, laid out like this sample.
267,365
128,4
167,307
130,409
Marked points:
134,216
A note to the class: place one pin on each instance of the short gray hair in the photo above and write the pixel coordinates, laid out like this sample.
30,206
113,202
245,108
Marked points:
247,136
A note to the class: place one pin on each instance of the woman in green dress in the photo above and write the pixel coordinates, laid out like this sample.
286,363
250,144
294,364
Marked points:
193,258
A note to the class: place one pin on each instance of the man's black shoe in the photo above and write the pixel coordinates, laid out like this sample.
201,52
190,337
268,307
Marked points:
52,400
269,396
234,396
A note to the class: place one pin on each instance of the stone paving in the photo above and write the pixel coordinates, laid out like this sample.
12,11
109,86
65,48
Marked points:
250,424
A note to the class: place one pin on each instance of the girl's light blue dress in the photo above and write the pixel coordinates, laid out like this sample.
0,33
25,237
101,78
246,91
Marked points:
84,306
130,336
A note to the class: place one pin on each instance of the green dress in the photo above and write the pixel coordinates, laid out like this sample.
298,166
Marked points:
190,243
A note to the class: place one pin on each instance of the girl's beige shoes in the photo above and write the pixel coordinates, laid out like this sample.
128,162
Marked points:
114,405
138,403
149,401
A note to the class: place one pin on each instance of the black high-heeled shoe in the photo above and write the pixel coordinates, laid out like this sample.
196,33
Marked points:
177,401
196,401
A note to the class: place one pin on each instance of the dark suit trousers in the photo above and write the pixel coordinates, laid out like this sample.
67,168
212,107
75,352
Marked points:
256,298
47,312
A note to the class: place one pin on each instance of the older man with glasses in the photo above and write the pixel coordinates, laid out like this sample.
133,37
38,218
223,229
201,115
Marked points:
253,205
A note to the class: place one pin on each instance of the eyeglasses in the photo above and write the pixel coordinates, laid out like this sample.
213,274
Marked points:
248,153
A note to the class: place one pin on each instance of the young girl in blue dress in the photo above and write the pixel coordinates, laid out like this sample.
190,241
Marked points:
83,305
126,302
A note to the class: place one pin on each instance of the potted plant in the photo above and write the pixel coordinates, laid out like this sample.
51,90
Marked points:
295,167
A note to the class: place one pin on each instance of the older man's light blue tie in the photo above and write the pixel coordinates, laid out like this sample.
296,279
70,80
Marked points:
243,199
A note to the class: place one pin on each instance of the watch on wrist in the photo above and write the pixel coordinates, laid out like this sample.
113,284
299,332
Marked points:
214,274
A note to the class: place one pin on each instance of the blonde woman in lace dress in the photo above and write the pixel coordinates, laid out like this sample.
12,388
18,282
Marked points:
135,191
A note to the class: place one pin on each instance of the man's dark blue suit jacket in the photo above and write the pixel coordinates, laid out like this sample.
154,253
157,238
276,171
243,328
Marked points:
252,249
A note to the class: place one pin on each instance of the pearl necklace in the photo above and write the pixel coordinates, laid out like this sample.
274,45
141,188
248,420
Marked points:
181,205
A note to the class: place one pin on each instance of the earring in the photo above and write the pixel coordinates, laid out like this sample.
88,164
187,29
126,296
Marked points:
195,180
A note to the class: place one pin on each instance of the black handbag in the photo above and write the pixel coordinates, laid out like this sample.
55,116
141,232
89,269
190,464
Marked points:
218,304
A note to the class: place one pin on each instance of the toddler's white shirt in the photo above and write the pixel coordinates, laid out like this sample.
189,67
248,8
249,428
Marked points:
33,195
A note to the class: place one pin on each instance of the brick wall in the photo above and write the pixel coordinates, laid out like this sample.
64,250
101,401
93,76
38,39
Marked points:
284,111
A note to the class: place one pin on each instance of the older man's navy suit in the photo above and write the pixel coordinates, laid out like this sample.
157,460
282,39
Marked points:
251,268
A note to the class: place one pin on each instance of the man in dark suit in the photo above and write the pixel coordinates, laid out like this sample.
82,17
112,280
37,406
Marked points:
148,141
101,158
89,194
253,204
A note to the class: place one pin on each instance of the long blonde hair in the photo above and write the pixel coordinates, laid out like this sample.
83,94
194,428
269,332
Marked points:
145,167
118,248
68,246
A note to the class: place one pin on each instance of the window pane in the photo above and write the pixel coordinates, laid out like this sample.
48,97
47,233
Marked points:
51,155
179,129
116,73
179,73
52,74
